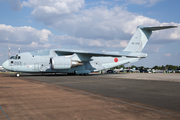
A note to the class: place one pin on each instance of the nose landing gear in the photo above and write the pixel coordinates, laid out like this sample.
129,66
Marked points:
17,74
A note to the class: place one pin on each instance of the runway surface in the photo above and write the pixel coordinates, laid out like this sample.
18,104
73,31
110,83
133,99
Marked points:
107,96
163,94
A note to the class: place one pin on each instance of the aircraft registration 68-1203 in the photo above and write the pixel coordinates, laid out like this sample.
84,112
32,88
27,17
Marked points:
80,62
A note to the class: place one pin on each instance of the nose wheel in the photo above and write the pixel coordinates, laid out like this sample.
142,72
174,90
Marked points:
17,74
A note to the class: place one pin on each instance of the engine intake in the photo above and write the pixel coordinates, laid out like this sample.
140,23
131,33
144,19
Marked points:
58,63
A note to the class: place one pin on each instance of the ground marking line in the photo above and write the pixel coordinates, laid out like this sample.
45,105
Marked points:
4,113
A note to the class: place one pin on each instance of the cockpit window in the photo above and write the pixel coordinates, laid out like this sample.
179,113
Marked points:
15,57
12,57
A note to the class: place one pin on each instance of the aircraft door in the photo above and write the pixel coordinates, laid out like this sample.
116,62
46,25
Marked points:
97,65
43,62
36,66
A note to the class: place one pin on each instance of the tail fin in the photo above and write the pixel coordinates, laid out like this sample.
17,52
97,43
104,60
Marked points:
141,36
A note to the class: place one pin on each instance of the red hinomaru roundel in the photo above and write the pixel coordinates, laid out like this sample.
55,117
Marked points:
115,59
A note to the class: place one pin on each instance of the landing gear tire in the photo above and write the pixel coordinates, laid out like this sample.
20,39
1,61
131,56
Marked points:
17,75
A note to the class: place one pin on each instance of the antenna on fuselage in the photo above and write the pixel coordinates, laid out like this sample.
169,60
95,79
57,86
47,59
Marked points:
19,49
9,52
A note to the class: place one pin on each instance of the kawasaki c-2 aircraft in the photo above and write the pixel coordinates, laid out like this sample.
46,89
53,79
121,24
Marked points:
80,62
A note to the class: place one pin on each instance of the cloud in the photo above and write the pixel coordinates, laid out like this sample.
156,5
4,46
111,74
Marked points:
84,42
167,54
98,22
143,2
54,6
23,35
169,34
30,39
153,48
97,26
27,38
16,5
36,45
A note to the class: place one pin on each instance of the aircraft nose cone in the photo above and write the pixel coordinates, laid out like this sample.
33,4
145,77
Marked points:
5,64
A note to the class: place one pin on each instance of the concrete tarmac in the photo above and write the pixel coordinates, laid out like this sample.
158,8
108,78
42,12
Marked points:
170,77
158,93
108,96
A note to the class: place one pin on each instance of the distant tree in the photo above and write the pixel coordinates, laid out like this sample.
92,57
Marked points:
171,67
163,67
175,67
142,67
155,67
118,67
167,66
133,66
126,67
121,66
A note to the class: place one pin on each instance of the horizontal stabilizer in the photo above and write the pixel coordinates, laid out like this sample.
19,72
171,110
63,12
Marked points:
156,28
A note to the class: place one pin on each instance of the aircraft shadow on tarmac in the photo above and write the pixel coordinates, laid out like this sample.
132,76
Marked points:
48,74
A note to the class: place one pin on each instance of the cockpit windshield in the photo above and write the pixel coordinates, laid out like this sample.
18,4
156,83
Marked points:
12,57
15,57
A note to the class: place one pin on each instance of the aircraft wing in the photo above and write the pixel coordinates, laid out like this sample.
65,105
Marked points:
84,55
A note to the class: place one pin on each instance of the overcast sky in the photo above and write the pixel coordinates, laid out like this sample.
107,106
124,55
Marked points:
91,25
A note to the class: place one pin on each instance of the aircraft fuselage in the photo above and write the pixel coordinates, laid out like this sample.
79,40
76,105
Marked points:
27,62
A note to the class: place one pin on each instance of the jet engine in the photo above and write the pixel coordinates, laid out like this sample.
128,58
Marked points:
58,63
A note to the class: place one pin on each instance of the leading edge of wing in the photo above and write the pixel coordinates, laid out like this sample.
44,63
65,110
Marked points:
108,54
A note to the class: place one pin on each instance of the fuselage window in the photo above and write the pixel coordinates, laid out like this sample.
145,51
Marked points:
19,57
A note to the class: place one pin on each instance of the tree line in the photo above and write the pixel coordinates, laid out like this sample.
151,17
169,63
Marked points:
155,67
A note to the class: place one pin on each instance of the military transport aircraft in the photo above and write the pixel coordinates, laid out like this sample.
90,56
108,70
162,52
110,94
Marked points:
80,62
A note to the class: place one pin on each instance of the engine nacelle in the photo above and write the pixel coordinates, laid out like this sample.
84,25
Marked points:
58,63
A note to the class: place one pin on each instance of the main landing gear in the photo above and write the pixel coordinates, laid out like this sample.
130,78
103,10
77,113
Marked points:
85,74
77,74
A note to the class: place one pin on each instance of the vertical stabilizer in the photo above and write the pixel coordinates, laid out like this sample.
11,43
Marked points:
141,36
